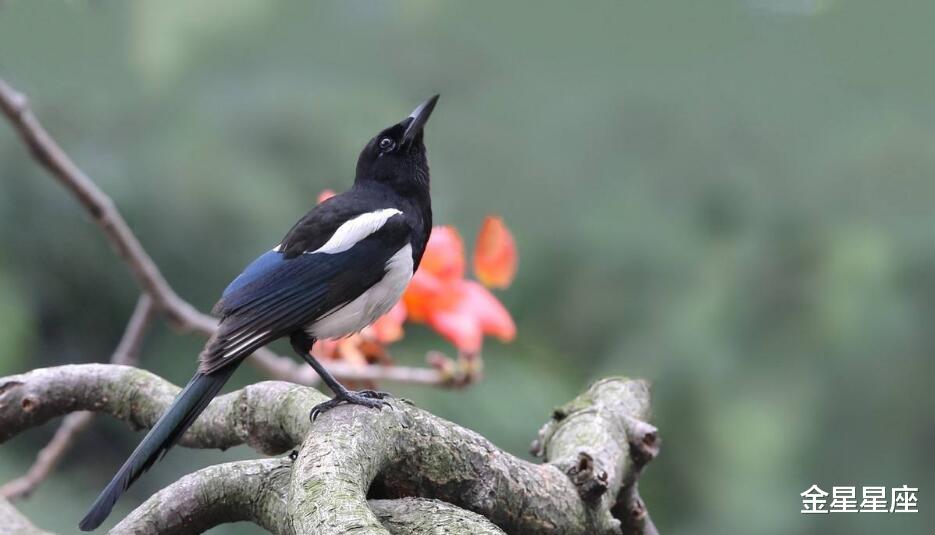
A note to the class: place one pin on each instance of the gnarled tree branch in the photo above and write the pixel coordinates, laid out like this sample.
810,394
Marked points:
245,491
420,516
258,491
594,448
270,416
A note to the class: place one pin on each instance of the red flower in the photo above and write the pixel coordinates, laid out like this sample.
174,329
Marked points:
470,313
495,257
462,311
444,254
389,327
325,195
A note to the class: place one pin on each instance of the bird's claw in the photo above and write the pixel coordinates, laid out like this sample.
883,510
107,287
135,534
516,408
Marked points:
374,394
368,398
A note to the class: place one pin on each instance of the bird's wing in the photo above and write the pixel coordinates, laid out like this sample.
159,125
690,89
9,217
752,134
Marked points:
319,226
279,293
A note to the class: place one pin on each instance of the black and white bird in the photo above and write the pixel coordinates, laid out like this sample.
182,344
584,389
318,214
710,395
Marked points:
340,267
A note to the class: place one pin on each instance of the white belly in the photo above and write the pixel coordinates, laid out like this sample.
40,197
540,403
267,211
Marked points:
372,304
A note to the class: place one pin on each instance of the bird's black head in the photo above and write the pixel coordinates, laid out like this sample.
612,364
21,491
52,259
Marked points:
396,156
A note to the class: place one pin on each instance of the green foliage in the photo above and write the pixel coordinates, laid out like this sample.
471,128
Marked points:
733,199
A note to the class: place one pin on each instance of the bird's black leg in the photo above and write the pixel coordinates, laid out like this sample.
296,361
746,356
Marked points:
302,344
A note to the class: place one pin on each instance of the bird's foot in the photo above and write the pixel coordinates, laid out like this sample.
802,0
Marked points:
367,398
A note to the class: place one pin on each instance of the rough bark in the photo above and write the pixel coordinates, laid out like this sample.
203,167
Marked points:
421,516
270,417
251,491
356,469
258,491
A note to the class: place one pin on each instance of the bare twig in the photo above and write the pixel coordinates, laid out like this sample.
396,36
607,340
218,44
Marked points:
48,457
128,349
48,153
180,313
445,372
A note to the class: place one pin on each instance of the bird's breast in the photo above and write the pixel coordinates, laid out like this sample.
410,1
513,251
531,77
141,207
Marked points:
370,305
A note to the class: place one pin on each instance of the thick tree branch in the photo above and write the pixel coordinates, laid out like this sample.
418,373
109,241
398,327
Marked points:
420,516
585,447
602,441
644,445
271,416
252,491
594,448
179,312
258,491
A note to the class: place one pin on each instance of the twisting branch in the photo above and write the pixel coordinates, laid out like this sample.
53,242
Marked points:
594,449
643,439
180,313
614,453
257,491
74,424
420,516
247,491
584,448
270,416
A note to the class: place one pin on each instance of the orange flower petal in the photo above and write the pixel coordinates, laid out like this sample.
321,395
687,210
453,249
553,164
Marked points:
325,195
389,327
419,296
495,256
493,317
462,311
470,312
460,327
444,254
325,349
350,350
426,292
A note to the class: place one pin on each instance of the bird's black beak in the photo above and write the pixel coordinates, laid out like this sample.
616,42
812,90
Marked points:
418,118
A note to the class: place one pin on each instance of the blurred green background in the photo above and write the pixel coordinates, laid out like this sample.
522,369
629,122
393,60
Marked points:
733,199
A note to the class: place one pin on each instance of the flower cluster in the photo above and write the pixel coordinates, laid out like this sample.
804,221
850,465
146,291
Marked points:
463,310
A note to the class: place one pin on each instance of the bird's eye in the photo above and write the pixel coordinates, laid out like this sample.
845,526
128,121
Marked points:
387,144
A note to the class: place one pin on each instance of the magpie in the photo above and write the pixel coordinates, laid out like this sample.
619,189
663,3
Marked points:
340,267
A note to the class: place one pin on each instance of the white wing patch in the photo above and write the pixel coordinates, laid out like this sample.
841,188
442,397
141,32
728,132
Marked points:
355,229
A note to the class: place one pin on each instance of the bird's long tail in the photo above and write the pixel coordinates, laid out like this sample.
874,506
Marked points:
171,426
